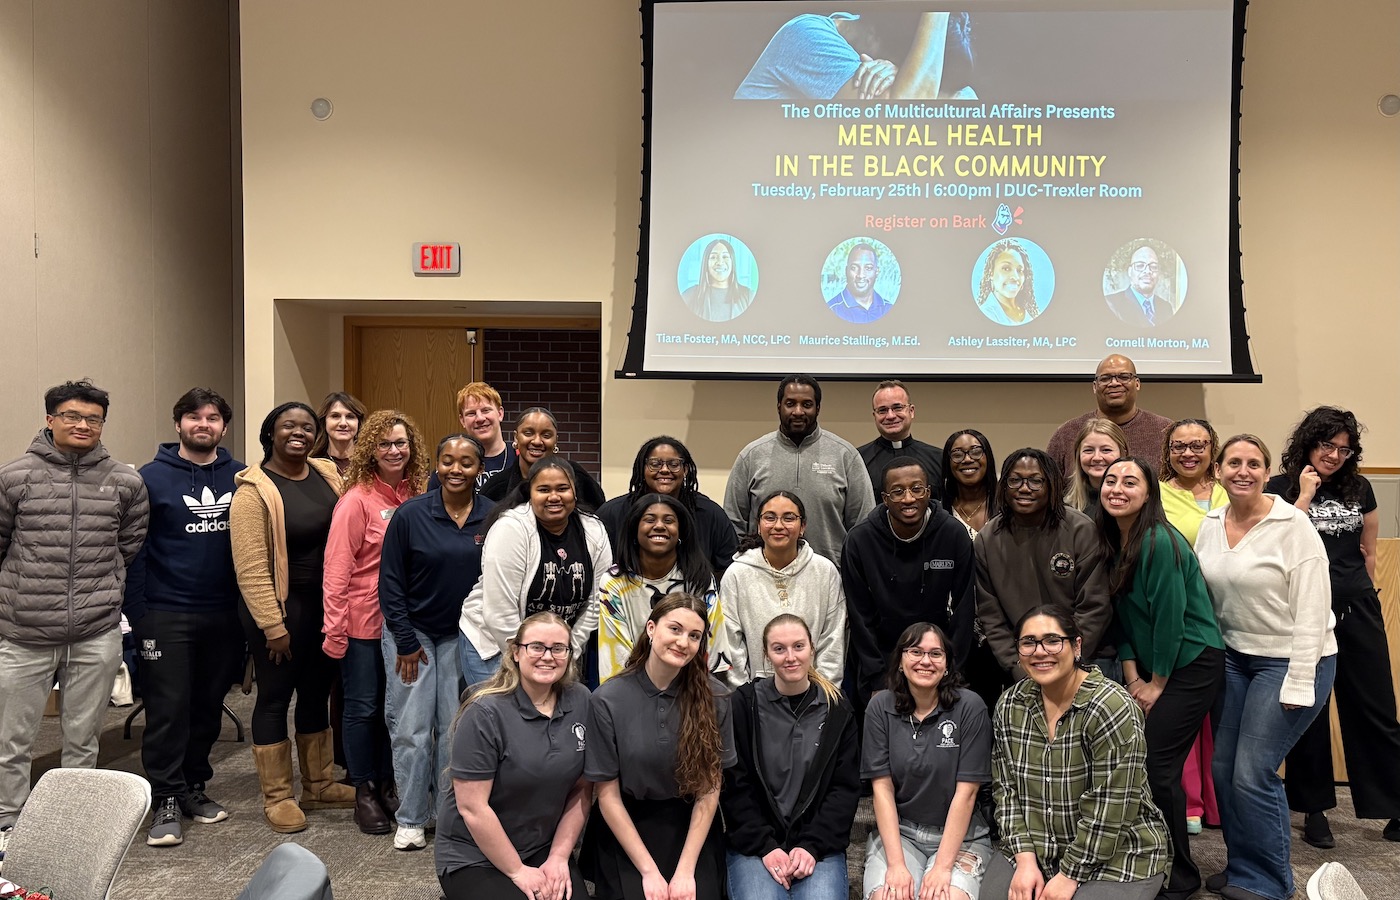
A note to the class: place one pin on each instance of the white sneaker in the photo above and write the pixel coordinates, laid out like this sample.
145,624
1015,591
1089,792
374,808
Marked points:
407,838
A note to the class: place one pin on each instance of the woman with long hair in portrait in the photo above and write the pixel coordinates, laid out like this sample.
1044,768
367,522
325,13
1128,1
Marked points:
718,296
658,739
1006,292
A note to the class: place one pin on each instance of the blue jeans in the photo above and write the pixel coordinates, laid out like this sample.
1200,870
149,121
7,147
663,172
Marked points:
363,731
474,669
1255,735
749,879
420,724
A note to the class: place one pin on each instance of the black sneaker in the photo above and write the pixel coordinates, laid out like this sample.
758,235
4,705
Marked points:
1391,832
199,807
1318,832
165,825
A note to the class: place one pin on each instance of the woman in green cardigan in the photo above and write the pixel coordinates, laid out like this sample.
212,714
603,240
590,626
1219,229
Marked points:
1164,626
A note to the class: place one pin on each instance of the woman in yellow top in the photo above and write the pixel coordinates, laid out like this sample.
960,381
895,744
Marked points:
1189,491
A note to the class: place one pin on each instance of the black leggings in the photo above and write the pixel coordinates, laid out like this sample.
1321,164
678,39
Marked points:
490,883
308,674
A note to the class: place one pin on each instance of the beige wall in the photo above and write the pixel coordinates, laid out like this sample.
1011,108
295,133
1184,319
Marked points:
115,132
471,122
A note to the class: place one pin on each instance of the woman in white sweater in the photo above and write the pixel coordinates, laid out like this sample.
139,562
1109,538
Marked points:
1267,572
777,572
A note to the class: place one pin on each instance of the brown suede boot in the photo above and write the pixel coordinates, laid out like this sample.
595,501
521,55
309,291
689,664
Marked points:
274,765
319,789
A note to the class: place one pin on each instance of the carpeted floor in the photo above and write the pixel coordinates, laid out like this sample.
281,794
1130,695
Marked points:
215,861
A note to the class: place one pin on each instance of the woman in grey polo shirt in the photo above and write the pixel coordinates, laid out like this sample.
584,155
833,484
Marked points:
518,798
927,751
659,737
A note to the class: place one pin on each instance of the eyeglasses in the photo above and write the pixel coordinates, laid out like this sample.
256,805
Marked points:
1051,643
772,518
656,464
1110,377
538,649
1327,448
918,492
918,653
386,446
892,408
71,418
1138,268
1193,446
973,453
1035,482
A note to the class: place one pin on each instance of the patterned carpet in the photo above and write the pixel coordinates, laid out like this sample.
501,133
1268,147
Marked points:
215,861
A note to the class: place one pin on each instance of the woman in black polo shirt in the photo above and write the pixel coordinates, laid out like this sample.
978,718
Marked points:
659,737
518,798
927,751
790,799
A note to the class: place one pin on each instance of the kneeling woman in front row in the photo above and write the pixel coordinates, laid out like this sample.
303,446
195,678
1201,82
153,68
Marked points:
1069,772
659,736
518,798
927,751
790,798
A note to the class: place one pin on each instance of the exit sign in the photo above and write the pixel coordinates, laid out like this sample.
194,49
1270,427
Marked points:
437,259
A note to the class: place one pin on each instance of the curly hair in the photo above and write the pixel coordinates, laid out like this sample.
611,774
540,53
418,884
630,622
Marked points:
1079,491
898,685
698,748
1025,298
1320,425
1167,471
690,474
1054,487
364,465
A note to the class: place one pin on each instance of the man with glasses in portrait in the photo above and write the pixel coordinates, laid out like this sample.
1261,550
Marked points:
1138,303
894,419
71,520
1115,388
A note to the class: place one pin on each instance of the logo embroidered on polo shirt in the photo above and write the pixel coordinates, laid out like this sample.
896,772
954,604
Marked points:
579,730
949,730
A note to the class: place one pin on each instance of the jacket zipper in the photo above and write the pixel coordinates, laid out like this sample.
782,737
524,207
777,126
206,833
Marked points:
72,542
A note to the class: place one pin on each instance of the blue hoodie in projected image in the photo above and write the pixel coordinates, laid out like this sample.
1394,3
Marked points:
186,564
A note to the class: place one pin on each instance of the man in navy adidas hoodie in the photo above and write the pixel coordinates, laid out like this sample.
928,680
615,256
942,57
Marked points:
181,601
908,561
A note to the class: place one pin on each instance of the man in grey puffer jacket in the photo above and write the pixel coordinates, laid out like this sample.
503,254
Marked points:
71,519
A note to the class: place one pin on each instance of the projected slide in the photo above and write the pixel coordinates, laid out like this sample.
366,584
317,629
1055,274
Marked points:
894,188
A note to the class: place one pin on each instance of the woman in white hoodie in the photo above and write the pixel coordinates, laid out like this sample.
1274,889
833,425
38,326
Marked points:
541,554
777,572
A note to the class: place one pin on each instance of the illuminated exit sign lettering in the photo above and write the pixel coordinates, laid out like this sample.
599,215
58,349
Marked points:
437,259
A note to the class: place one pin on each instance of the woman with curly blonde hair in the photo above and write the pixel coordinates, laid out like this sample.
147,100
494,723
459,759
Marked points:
389,465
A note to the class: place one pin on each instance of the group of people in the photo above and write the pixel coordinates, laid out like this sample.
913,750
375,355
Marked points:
1034,667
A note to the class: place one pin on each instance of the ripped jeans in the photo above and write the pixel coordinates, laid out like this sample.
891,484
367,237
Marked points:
920,846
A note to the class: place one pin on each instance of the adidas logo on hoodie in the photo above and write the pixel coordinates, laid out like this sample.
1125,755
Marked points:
212,511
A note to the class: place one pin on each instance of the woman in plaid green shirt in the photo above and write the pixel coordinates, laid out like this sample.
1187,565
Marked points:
1070,780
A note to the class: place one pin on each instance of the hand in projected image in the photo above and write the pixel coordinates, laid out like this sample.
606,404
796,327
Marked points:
873,77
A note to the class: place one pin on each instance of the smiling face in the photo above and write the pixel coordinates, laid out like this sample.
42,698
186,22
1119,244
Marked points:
719,264
1008,274
458,464
667,473
798,411
862,268
906,510
924,670
780,526
82,433
1096,452
894,414
1029,491
1187,463
1242,470
535,438
1328,462
552,499
1116,385
1042,666
546,669
391,453
1124,492
292,436
341,423
969,460
676,637
481,419
202,429
788,647
659,532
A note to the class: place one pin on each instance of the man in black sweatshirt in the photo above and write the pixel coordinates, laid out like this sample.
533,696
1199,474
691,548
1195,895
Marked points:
181,601
908,562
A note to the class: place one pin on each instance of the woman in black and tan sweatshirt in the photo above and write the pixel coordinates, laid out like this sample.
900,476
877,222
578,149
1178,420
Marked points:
279,520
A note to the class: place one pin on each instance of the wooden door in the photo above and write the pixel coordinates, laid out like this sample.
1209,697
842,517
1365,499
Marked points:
414,368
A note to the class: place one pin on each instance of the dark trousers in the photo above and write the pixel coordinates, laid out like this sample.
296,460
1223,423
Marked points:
188,662
490,883
1193,692
1366,712
367,754
308,674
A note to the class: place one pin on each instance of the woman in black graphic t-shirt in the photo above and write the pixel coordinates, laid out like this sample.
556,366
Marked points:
541,554
1320,477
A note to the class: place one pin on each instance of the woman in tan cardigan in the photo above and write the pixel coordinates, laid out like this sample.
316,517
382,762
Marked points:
279,520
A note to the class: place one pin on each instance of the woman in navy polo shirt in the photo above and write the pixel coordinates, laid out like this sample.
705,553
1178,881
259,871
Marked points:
927,751
518,798
431,560
659,736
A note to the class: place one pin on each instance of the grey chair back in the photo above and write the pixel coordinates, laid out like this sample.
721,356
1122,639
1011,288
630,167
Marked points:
290,872
74,831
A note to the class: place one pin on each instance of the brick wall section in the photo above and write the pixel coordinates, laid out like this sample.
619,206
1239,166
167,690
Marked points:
559,370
